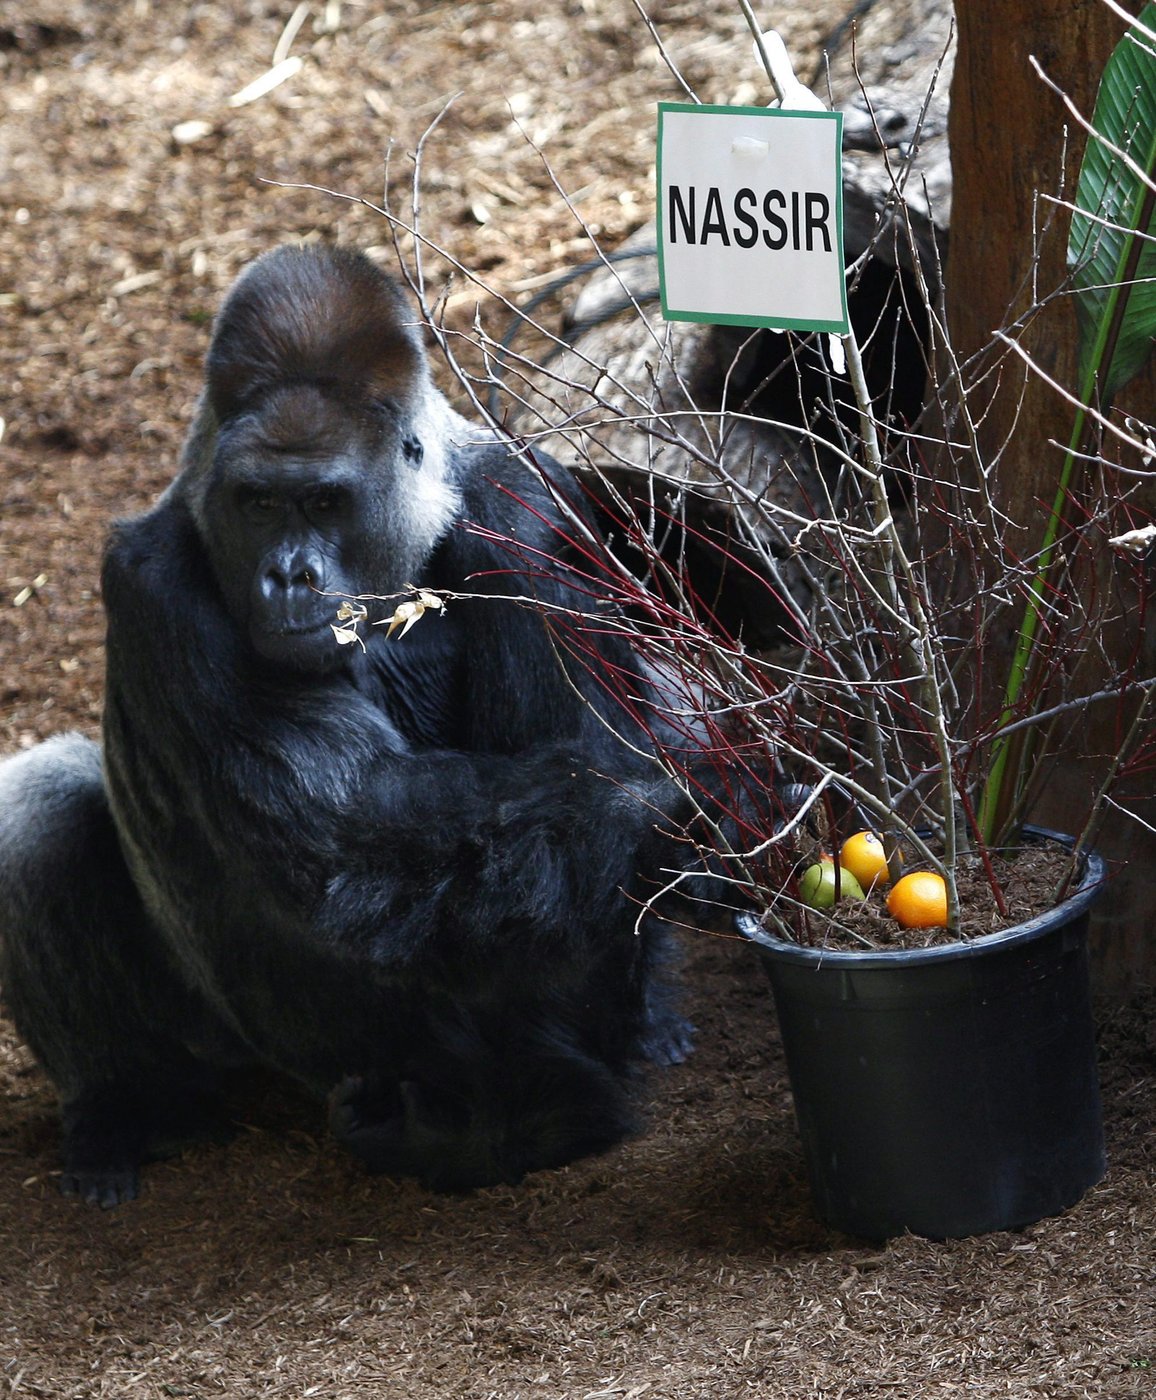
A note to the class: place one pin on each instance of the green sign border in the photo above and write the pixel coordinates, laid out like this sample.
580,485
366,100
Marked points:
726,319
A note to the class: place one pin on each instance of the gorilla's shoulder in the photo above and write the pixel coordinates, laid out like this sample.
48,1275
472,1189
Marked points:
502,486
157,550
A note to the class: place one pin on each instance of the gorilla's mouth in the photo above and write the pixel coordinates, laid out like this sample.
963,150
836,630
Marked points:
302,629
310,647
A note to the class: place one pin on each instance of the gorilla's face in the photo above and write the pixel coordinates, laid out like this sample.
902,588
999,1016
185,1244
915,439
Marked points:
301,510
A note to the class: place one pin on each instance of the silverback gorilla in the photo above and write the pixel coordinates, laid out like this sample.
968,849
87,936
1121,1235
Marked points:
407,875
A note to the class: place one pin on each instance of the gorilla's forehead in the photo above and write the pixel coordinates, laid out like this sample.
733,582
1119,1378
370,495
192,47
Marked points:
309,420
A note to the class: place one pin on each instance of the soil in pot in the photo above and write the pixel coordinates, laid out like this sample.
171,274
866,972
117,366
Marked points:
1028,877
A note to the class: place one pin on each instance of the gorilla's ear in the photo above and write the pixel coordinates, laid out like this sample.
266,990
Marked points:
319,315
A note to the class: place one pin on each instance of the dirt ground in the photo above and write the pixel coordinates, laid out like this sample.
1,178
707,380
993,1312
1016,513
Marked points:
688,1262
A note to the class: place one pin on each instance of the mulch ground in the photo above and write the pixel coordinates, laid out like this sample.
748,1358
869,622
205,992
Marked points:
687,1263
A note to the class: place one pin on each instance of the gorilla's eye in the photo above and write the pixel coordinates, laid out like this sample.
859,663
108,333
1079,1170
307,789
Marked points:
324,504
255,502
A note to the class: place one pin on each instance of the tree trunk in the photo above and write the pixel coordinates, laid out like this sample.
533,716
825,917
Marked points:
1007,135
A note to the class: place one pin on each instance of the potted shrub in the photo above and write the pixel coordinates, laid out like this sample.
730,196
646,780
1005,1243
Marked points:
949,1089
944,1075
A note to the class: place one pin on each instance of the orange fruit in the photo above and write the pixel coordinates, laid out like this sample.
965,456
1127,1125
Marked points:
919,900
862,855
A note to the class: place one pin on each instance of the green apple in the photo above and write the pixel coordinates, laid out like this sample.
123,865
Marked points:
817,885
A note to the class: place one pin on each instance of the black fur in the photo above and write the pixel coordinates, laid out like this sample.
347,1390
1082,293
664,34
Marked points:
408,876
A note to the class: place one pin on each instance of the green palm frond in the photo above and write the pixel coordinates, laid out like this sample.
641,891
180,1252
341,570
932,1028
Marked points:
1112,258
1112,242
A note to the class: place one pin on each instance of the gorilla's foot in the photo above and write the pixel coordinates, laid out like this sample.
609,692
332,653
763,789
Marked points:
396,1130
109,1135
105,1187
488,1120
102,1151
667,1039
368,1125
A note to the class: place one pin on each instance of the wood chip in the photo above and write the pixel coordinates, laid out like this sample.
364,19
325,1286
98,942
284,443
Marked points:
259,87
187,133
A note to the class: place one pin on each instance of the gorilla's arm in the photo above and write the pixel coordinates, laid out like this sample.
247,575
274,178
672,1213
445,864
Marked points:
541,861
303,808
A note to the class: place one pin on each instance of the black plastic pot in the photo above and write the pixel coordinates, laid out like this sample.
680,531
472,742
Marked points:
950,1090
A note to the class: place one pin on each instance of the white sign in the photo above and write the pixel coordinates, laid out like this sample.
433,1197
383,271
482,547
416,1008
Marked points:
750,217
